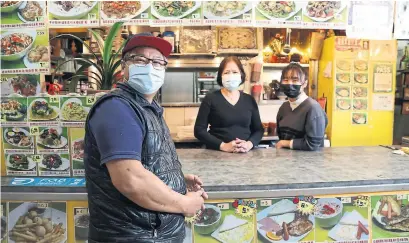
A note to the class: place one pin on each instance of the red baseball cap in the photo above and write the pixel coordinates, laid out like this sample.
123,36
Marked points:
147,40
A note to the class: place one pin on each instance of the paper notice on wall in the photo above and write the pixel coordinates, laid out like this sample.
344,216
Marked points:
382,77
382,102
401,30
370,20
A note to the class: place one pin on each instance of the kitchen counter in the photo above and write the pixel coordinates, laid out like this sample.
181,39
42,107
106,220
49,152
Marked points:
271,173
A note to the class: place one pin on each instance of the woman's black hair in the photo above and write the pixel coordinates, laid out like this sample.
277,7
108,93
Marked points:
294,67
223,66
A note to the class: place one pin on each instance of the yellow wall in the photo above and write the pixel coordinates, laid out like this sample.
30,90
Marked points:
341,131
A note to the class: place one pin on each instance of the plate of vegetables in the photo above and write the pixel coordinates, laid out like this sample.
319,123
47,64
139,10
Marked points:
52,138
54,162
322,11
12,110
16,44
20,162
41,110
173,9
278,9
18,137
123,9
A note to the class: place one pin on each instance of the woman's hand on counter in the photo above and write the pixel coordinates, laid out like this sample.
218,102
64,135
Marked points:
228,147
243,146
283,144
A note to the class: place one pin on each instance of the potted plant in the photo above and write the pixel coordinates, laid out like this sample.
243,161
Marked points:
105,63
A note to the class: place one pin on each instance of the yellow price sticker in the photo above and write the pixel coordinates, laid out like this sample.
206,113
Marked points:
37,158
90,100
305,208
361,201
55,100
34,131
245,211
42,205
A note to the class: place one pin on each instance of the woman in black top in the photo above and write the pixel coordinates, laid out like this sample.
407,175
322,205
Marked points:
233,116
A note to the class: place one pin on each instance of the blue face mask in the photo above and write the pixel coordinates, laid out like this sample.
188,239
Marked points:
231,81
145,79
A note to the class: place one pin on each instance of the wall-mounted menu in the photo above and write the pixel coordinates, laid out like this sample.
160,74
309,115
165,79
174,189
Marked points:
278,13
129,12
24,51
165,13
77,151
53,164
228,13
13,111
22,84
325,14
52,140
74,111
73,13
23,14
43,111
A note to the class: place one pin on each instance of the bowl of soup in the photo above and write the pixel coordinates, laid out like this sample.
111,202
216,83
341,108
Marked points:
328,212
208,220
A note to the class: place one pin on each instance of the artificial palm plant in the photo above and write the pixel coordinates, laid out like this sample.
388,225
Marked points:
106,62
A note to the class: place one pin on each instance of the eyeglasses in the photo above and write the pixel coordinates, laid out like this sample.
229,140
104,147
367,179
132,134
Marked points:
142,61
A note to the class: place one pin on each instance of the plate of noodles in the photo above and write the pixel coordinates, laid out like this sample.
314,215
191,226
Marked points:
73,110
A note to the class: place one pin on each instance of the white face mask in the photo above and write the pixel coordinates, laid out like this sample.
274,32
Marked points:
145,79
231,81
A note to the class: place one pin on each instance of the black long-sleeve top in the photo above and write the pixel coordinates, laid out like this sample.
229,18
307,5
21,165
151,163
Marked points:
228,122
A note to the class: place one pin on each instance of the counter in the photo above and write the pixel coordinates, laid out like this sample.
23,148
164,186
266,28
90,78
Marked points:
265,173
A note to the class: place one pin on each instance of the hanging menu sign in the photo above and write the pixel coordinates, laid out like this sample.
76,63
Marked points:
228,13
28,51
370,20
129,12
278,13
73,13
325,14
401,30
23,14
165,13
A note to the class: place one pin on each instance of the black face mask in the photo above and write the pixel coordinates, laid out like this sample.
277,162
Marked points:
291,90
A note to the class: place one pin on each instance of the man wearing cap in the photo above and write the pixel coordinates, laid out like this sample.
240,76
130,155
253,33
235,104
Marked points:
136,189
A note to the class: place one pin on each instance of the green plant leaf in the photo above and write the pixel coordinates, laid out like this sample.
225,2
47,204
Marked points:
109,41
99,39
119,51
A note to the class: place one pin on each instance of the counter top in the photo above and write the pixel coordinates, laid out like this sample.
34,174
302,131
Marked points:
278,173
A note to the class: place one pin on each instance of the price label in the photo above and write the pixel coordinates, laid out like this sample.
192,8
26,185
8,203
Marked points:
401,197
42,205
265,203
196,16
44,64
247,16
346,200
55,100
92,16
90,100
37,158
39,19
144,16
34,131
41,32
362,202
82,211
223,206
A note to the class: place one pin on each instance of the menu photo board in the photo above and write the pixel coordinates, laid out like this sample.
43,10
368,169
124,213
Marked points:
226,221
20,84
43,221
73,13
43,111
81,224
74,110
13,111
276,218
18,150
168,13
325,14
27,51
278,13
53,164
23,14
228,13
389,218
51,140
129,12
77,151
